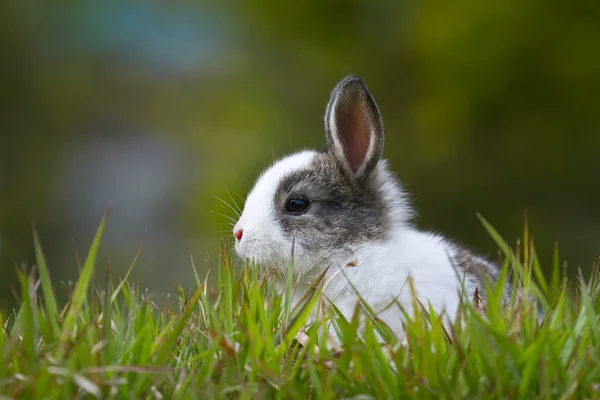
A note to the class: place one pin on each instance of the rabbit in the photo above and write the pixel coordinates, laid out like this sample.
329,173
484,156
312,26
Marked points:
342,207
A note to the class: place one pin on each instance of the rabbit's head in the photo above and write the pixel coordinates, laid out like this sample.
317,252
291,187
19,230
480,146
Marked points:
325,202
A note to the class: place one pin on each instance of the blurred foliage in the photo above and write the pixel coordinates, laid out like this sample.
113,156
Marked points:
489,107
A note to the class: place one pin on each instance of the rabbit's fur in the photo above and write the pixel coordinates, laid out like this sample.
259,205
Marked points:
357,212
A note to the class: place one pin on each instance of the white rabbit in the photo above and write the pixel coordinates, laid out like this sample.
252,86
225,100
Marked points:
343,204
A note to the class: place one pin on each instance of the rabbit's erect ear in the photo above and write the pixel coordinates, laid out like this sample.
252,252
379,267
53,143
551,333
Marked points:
353,127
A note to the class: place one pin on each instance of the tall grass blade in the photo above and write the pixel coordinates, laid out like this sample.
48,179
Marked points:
46,283
28,323
81,288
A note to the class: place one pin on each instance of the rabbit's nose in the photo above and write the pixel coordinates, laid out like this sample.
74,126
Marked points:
238,233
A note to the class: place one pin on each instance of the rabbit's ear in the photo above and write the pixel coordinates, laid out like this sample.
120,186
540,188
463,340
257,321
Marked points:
353,128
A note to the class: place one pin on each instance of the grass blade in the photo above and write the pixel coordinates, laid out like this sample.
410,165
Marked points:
46,283
81,288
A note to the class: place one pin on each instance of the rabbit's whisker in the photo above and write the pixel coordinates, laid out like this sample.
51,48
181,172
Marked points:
236,212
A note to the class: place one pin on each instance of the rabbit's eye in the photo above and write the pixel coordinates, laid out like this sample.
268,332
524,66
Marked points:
297,206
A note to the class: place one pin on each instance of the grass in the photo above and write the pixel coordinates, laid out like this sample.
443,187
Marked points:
243,340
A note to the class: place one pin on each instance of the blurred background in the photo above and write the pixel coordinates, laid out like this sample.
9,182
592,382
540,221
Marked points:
490,107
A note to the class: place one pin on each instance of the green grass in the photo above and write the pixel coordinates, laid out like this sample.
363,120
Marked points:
239,338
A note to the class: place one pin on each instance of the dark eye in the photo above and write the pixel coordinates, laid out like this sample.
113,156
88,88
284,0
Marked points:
296,205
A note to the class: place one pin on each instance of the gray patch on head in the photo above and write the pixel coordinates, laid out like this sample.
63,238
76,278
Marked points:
339,213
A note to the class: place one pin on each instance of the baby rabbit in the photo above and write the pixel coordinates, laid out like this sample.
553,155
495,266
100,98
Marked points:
343,205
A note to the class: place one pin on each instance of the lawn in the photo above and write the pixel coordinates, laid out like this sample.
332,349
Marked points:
236,336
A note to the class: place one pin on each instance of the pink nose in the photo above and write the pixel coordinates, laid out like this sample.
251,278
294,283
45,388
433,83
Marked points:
238,234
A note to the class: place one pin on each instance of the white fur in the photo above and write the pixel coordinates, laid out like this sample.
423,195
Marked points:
262,239
382,268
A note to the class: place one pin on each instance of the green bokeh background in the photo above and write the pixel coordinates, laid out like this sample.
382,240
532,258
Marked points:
489,107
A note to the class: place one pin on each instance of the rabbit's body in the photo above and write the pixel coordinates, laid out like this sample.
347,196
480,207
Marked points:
343,207
381,272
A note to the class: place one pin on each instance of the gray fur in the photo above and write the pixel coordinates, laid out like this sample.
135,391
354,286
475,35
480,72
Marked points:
339,213
348,203
481,271
476,269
